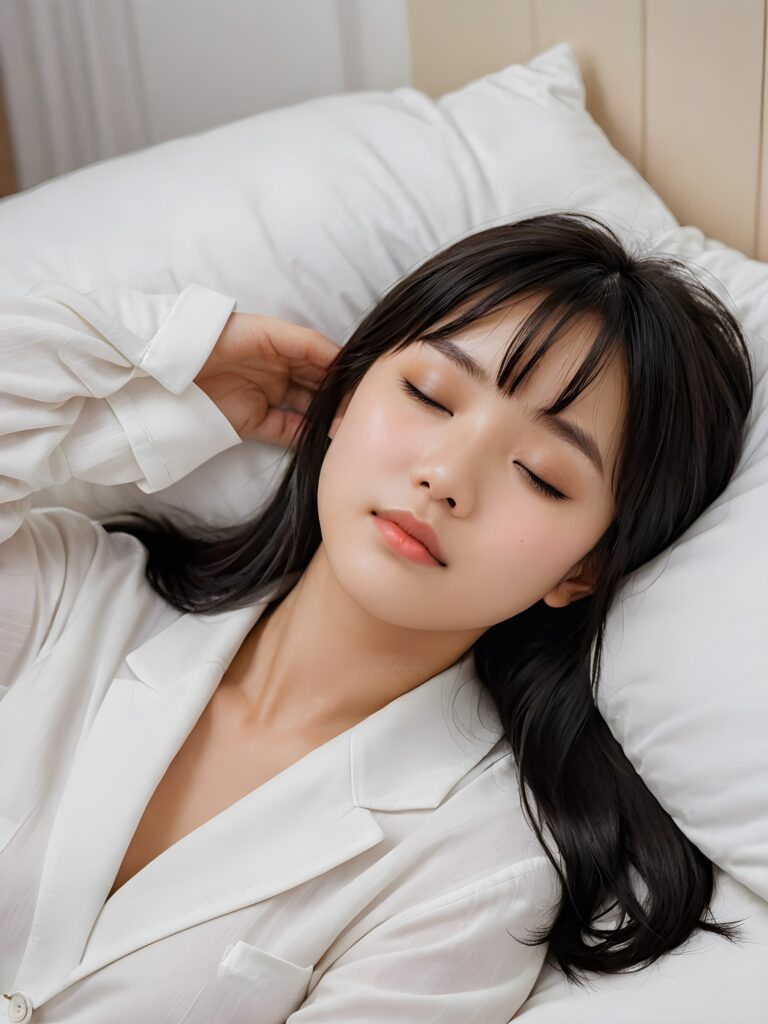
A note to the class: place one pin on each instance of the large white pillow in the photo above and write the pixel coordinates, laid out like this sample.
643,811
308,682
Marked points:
310,213
685,673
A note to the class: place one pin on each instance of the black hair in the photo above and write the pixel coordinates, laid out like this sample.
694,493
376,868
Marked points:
689,390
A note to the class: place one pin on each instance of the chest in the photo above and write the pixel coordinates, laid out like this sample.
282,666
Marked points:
221,761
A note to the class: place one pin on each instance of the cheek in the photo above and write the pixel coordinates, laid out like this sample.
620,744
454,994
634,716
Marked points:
369,439
521,548
379,436
394,437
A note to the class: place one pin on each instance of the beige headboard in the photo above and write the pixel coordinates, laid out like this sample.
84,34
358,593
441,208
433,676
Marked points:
677,85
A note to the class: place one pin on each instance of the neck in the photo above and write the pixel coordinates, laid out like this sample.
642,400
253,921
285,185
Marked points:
318,661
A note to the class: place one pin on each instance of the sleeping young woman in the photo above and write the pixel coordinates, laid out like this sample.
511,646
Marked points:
343,762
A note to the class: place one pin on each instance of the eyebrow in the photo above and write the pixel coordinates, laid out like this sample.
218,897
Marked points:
569,432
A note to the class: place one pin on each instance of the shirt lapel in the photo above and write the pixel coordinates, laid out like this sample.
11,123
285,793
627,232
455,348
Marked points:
147,712
311,817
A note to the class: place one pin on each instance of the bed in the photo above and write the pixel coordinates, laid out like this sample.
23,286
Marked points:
653,112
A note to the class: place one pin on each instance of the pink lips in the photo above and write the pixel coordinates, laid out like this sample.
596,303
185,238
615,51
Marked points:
409,536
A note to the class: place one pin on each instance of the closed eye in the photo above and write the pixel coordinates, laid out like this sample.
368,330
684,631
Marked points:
542,485
536,482
420,396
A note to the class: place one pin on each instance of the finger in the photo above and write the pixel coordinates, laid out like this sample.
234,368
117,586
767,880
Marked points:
298,397
303,345
309,376
279,426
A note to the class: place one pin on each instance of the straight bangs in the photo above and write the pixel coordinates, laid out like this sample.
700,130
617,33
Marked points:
569,304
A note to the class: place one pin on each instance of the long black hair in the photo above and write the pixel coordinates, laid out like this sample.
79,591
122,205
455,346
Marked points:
689,390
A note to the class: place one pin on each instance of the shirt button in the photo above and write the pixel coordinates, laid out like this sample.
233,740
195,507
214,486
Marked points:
19,1007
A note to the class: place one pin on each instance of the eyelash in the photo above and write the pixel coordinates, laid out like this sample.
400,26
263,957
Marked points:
540,485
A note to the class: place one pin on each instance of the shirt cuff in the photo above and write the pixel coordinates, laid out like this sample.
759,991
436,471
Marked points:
177,352
170,434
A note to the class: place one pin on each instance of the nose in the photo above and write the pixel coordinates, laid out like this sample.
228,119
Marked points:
460,456
451,501
449,474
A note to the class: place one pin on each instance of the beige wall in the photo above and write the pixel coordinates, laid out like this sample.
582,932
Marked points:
677,85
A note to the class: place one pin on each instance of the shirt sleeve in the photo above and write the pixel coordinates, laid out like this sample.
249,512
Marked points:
97,386
454,961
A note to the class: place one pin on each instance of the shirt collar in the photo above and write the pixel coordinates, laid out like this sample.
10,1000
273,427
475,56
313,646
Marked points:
408,754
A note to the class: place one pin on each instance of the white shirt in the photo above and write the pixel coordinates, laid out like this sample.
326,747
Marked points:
382,877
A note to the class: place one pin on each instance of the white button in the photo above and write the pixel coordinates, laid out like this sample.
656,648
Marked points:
19,1007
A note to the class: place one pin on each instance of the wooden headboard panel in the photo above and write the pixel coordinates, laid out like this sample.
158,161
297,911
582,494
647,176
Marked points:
678,86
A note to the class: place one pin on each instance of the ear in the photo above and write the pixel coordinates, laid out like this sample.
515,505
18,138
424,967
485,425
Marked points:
578,583
340,410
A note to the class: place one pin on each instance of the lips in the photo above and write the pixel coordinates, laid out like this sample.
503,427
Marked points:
415,528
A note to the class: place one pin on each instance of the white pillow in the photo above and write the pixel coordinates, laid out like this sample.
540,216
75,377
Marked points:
706,981
310,213
685,670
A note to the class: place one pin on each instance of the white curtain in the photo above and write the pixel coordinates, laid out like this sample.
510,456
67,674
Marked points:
89,79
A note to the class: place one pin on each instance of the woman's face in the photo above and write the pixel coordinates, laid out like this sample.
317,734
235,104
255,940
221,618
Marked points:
464,469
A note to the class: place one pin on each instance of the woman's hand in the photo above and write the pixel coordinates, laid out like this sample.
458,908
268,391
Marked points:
259,363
